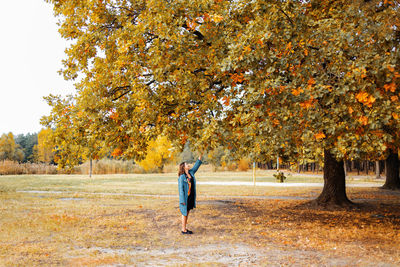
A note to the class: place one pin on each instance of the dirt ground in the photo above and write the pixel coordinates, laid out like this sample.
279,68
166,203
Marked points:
92,229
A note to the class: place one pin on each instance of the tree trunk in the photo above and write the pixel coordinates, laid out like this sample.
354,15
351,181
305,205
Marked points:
366,166
277,163
345,168
377,170
334,191
90,168
392,172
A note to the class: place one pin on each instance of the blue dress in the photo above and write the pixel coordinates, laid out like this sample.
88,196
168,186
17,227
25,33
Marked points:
190,204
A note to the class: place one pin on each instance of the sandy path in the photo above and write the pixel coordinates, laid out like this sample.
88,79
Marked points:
224,254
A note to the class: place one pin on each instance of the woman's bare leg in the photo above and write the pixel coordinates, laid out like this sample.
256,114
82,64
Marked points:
184,221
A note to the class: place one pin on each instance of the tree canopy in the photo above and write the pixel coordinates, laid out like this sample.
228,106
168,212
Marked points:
264,78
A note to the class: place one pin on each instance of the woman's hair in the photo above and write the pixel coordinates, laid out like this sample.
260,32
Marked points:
181,169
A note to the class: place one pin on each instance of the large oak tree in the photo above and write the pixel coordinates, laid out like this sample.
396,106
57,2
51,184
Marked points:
326,74
266,78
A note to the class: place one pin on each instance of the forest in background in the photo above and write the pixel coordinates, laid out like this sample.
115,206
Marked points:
31,153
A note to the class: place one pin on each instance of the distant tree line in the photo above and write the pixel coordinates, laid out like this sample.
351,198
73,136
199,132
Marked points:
22,147
27,143
9,149
37,147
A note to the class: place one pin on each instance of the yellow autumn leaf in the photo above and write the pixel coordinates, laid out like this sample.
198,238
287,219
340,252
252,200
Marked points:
217,18
247,49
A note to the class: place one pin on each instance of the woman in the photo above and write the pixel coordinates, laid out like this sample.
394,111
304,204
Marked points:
187,191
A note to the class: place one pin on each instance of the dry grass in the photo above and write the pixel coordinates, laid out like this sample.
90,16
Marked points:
164,183
83,229
109,166
87,230
8,167
104,166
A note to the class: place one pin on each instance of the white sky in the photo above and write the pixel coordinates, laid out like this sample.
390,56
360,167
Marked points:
31,50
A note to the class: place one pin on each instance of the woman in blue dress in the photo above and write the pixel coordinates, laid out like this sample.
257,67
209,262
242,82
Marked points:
187,191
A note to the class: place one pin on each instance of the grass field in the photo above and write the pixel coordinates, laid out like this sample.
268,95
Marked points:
134,220
150,183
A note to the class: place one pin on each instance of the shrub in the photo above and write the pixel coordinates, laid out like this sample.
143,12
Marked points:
280,176
244,164
231,166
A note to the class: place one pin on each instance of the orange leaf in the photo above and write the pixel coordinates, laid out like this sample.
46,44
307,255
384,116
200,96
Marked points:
226,100
363,120
117,152
297,91
319,136
307,104
365,98
361,96
289,46
311,81
390,87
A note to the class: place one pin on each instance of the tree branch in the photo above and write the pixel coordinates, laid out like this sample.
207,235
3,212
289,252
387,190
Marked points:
290,20
198,34
125,89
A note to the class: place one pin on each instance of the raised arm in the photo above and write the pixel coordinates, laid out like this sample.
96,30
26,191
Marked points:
196,165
